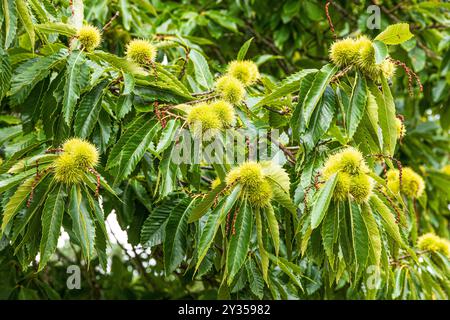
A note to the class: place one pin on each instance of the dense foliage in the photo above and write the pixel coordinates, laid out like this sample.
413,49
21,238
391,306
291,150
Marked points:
337,187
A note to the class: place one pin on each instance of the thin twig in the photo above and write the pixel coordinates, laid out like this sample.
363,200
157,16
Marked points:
340,74
280,112
135,260
185,63
107,25
289,155
284,64
346,14
406,256
193,101
199,94
330,23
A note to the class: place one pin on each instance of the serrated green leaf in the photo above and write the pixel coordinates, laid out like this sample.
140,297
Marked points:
273,227
125,13
77,76
103,131
31,145
52,216
320,206
124,105
18,199
148,92
262,251
360,237
287,270
57,27
167,174
22,220
315,92
172,81
152,232
88,111
215,219
10,15
357,104
175,240
7,119
5,73
287,86
388,218
9,182
118,63
256,282
206,203
386,114
82,224
98,214
167,136
297,120
222,20
128,83
91,182
27,22
321,118
28,74
367,139
330,232
395,34
201,69
372,231
130,148
280,196
100,248
243,50
239,242
381,51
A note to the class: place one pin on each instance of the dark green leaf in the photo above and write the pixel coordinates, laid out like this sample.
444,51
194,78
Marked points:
215,219
273,227
206,203
10,19
239,242
153,229
320,206
175,242
27,22
77,76
202,73
315,92
243,50
52,216
88,111
287,86
31,72
321,118
372,231
82,225
357,105
360,238
130,148
57,27
5,73
381,51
